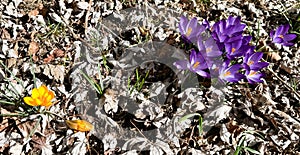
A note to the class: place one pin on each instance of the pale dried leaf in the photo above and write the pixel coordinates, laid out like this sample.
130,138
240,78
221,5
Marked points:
33,48
33,13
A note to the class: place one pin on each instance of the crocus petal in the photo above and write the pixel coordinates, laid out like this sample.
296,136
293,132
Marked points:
202,73
234,68
30,101
285,29
277,40
288,44
200,45
35,93
272,32
42,90
50,96
278,31
47,104
246,39
256,57
183,23
259,65
289,37
193,56
181,64
253,77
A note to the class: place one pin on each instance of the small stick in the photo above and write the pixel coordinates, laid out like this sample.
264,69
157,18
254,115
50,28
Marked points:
87,17
287,85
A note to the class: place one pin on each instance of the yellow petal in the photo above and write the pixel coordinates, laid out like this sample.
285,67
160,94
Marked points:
79,125
42,90
35,93
47,104
38,102
50,95
30,101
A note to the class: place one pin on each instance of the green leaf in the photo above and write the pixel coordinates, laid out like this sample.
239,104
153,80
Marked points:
237,151
188,116
252,150
7,102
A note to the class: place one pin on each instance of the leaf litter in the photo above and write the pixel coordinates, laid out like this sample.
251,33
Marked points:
51,38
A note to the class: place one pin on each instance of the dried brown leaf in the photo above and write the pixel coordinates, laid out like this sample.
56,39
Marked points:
58,53
49,58
33,13
285,68
33,48
274,56
5,34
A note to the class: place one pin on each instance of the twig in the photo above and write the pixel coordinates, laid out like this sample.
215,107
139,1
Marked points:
287,85
76,36
141,132
87,17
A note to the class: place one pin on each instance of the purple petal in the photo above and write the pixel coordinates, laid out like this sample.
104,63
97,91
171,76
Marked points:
202,73
288,44
254,77
289,37
272,32
182,25
193,56
234,38
206,24
246,39
285,29
258,66
200,45
234,68
277,40
240,27
181,64
256,56
192,24
279,31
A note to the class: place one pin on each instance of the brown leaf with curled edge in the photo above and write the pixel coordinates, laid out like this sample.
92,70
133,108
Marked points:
274,56
33,48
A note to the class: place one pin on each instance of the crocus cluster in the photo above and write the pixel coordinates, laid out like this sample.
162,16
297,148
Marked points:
224,50
40,97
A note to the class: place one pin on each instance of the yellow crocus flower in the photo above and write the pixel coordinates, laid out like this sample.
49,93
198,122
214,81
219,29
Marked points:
40,97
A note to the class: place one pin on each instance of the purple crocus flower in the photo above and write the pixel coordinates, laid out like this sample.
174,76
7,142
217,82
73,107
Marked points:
190,29
253,76
230,74
252,59
229,30
196,64
280,36
208,47
236,49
